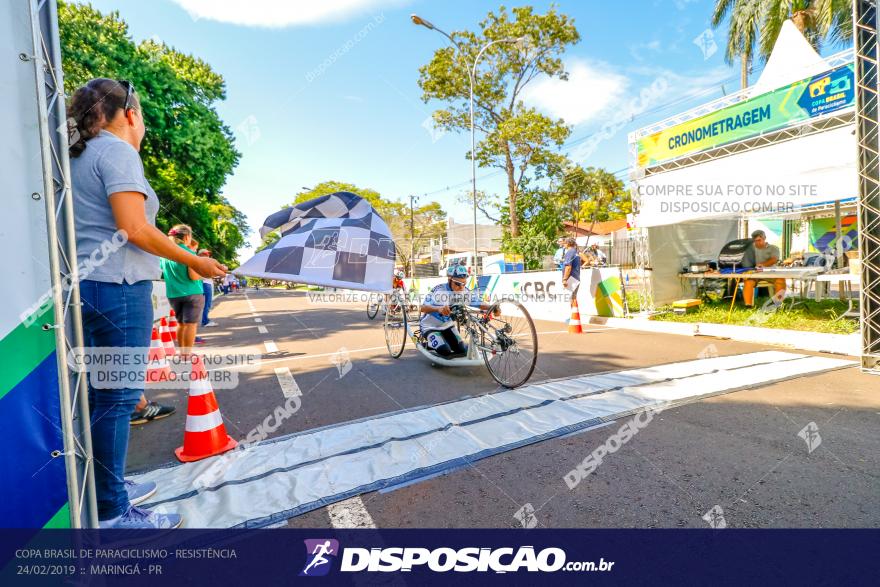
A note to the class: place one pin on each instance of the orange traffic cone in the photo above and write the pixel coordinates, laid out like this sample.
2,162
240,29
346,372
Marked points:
574,324
158,370
165,333
205,434
172,325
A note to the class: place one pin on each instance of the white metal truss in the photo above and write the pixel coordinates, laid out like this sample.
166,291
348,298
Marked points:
643,287
809,127
867,126
833,61
67,319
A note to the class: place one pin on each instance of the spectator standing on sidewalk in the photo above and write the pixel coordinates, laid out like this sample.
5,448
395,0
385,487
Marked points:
571,267
183,287
208,289
114,204
227,283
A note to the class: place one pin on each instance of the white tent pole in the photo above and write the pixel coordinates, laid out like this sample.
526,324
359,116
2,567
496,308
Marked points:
838,228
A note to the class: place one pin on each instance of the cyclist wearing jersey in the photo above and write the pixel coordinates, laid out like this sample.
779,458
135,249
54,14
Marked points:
439,331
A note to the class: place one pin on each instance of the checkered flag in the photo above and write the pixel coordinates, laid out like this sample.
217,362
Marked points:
337,240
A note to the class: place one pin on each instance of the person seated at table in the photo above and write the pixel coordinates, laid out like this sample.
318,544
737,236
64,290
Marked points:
598,255
765,255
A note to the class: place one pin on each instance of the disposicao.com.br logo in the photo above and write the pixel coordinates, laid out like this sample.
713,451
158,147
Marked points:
463,560
321,552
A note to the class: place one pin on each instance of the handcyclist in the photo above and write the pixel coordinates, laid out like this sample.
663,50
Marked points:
397,282
439,331
398,290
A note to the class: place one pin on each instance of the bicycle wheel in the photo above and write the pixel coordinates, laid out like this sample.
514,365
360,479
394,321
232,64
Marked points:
372,307
395,327
510,345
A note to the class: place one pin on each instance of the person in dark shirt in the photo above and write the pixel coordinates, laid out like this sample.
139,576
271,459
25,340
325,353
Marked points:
571,267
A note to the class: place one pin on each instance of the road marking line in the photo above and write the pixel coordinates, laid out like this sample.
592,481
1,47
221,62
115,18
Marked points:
271,347
350,513
258,319
289,386
262,329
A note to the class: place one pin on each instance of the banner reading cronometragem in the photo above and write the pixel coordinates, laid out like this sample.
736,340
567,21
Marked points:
807,98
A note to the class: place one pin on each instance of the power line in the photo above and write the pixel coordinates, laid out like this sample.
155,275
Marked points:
572,142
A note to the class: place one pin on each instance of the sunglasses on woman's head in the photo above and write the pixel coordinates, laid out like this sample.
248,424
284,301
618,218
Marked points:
129,92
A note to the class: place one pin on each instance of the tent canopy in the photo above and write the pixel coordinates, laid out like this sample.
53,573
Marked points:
792,59
775,179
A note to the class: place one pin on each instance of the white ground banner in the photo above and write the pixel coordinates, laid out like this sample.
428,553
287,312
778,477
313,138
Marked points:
543,294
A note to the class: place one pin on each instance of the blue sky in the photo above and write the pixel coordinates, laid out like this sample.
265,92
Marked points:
320,90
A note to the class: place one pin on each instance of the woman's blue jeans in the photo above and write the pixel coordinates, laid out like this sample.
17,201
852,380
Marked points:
209,296
121,316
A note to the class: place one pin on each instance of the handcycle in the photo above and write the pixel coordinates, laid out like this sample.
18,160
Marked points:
380,301
502,337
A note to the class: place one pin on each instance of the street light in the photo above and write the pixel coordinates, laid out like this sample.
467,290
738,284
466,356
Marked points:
472,73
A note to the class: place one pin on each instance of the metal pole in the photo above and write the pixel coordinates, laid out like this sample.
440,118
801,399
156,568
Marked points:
90,504
66,414
471,75
838,227
472,79
412,237
867,72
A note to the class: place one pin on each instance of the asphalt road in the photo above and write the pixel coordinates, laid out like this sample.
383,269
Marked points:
738,454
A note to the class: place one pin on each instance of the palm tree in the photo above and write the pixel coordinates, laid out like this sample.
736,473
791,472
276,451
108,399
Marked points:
743,33
758,22
803,13
589,192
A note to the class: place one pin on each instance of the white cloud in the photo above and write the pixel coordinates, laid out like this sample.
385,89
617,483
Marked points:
281,13
591,88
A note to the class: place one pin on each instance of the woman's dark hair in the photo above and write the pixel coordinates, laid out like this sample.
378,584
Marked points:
92,107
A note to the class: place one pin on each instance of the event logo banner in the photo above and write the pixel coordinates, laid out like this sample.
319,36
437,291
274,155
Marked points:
807,98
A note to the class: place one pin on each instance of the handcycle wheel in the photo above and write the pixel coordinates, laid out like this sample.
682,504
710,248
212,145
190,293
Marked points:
395,327
510,348
373,306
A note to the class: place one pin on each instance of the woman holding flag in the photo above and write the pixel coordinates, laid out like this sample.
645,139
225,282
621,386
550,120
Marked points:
114,203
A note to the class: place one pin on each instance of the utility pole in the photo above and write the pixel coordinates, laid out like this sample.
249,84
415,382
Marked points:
412,236
472,74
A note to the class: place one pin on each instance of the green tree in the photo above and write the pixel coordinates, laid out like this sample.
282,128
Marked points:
754,25
428,220
540,213
593,195
515,138
330,187
187,152
818,20
744,22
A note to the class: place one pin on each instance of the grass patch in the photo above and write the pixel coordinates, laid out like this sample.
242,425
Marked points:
807,315
634,301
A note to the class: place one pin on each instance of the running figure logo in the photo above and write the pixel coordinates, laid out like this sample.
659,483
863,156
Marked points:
319,554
